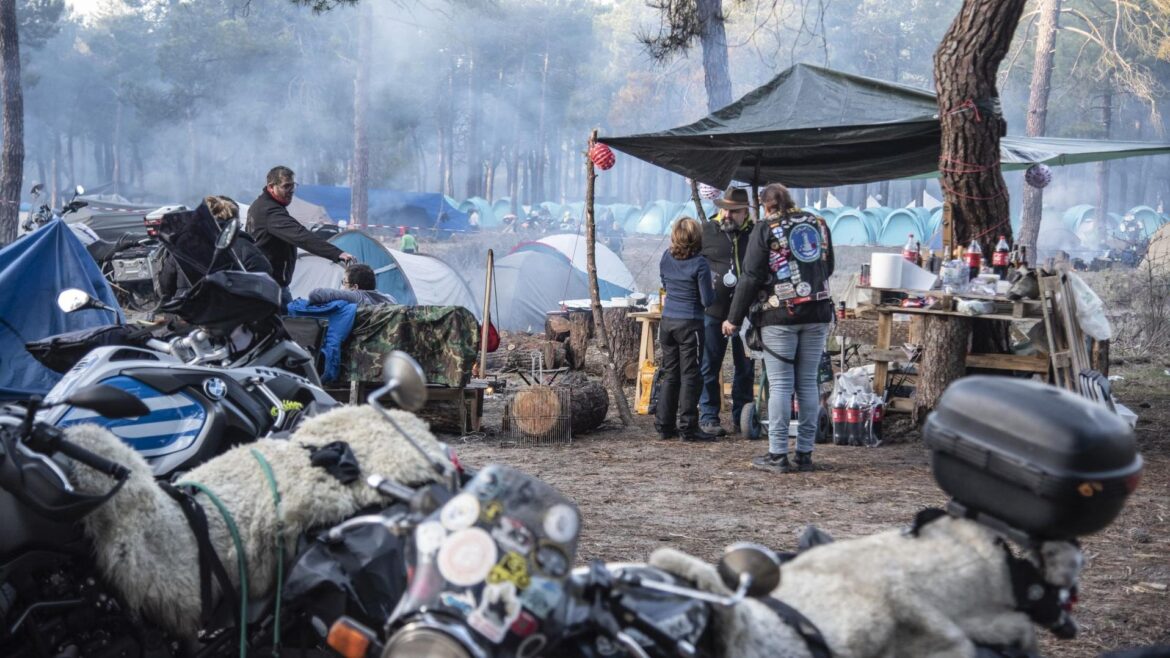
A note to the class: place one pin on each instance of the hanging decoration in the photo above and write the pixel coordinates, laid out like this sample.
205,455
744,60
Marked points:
708,192
601,155
1038,176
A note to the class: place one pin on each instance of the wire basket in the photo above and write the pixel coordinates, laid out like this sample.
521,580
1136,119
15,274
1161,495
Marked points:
539,415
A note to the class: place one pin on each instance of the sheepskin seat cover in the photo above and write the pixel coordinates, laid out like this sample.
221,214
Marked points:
145,549
889,594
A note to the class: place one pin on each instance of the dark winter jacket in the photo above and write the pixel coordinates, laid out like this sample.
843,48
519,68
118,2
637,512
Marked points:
758,277
724,251
172,280
279,235
688,286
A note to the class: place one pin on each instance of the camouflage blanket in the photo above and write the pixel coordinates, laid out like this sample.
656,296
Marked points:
442,338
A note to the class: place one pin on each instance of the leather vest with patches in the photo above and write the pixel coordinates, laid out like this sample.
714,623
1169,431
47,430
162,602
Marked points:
798,253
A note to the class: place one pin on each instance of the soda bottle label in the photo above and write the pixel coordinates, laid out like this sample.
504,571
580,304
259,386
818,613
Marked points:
877,413
853,415
1000,259
838,415
974,260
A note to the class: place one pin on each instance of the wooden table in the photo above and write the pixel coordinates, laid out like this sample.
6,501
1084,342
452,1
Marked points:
883,354
649,321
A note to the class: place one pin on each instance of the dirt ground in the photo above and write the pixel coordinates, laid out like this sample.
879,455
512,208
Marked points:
638,493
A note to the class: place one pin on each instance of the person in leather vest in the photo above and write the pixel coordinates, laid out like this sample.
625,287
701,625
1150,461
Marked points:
785,286
725,241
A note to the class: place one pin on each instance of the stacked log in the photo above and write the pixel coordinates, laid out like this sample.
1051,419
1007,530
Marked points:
519,348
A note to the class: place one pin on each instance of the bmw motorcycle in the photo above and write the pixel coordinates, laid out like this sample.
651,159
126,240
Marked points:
207,390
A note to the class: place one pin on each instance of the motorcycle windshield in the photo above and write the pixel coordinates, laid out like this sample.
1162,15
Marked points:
497,558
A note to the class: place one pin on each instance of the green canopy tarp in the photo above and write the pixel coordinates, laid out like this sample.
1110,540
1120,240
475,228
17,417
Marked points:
816,127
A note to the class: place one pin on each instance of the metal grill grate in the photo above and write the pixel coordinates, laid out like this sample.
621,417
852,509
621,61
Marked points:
539,415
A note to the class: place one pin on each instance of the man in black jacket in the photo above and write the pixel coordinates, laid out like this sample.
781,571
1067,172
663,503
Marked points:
279,235
725,241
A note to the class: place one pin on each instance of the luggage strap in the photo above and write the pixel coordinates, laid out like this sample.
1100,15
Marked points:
209,562
241,558
807,630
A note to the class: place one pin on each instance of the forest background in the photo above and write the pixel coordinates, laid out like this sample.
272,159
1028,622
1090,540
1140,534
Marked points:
166,101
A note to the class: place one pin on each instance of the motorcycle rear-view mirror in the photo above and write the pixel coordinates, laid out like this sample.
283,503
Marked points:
74,300
228,235
109,401
78,191
405,380
757,566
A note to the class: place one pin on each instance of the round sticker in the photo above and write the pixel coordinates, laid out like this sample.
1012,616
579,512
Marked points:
429,536
560,523
460,512
803,289
805,241
466,557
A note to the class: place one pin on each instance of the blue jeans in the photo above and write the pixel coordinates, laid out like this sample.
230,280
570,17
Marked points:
803,343
743,372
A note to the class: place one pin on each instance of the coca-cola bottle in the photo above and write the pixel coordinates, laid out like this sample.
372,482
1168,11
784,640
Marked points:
974,259
840,429
879,411
910,251
1001,259
866,422
853,421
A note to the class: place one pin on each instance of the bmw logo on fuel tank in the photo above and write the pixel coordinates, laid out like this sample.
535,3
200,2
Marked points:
215,388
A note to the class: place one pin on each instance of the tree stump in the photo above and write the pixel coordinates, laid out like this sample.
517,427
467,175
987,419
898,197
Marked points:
944,359
580,331
624,337
557,326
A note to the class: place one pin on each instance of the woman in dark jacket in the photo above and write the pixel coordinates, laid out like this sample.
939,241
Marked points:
786,286
686,278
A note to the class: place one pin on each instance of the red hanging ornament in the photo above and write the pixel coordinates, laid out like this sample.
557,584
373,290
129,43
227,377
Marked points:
601,155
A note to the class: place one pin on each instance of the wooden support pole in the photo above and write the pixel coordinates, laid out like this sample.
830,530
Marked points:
487,314
702,215
612,378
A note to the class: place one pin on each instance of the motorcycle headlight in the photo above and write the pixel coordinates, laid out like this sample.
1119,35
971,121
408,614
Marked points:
424,642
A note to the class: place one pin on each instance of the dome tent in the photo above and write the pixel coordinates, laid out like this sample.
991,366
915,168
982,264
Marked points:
614,279
530,283
487,214
850,228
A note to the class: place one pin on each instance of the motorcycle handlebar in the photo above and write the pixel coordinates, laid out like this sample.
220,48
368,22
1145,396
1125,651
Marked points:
90,459
158,345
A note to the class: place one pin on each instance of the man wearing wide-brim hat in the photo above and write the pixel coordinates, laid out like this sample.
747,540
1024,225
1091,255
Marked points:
725,240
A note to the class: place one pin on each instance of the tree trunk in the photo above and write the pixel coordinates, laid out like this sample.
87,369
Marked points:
625,335
359,180
577,346
12,133
1038,115
713,38
1103,202
945,341
475,168
589,403
965,67
519,349
612,379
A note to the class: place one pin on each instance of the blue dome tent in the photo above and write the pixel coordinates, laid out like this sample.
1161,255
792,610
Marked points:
898,226
654,218
1150,219
1073,217
487,215
390,277
850,228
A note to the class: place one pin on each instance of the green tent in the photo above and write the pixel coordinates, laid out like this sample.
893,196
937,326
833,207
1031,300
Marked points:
816,127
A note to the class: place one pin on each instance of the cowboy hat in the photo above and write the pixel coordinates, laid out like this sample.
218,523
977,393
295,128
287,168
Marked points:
735,198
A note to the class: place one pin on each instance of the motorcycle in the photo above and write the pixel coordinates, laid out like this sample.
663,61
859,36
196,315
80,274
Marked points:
58,598
129,264
205,395
491,568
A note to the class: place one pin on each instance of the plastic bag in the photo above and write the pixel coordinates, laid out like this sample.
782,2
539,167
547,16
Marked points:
1090,310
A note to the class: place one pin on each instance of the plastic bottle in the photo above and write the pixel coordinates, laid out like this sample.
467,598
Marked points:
910,251
1000,260
840,429
853,421
879,412
866,422
974,259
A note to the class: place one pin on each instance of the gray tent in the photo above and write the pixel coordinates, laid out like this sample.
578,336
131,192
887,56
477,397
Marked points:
529,284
